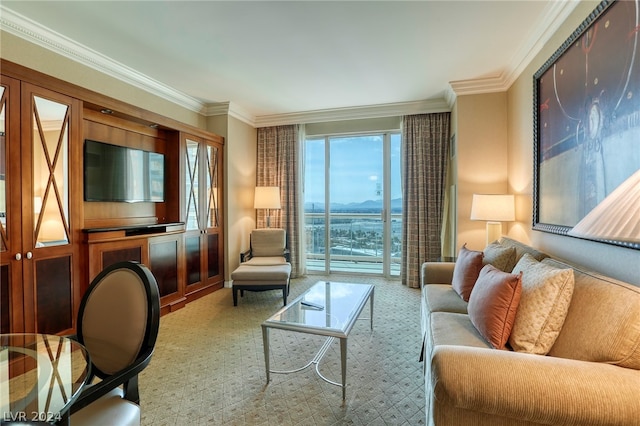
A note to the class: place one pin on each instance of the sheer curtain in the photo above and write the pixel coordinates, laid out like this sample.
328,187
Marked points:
278,165
425,151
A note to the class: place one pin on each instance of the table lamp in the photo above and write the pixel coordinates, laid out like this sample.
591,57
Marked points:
267,197
495,209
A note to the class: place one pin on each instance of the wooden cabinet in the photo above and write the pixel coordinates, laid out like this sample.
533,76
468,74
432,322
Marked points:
53,243
160,247
202,210
41,243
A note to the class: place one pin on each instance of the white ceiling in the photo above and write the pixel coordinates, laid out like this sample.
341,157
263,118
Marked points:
271,60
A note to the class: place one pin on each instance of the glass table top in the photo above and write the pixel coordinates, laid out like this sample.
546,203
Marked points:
40,375
328,308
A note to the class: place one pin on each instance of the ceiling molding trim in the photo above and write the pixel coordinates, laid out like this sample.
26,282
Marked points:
217,108
479,85
231,109
552,18
450,96
236,111
354,113
35,33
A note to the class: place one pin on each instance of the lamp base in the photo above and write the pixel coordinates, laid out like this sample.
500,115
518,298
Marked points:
494,231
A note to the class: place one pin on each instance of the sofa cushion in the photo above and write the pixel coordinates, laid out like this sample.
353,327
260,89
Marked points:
466,271
443,298
545,299
493,304
266,261
256,275
603,321
449,328
502,257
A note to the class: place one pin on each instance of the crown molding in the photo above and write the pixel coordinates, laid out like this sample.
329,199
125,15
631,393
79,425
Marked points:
354,113
479,85
554,15
31,31
232,109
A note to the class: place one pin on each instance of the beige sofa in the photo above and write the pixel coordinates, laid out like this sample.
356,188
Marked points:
590,376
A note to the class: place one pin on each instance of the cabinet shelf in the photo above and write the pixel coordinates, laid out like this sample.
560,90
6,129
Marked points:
120,232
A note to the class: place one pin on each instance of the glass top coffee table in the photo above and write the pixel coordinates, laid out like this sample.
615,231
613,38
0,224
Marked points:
328,309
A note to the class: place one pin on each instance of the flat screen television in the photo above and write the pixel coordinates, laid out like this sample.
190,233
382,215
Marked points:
121,174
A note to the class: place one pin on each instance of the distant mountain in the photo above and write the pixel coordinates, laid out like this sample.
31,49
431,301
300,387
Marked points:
369,206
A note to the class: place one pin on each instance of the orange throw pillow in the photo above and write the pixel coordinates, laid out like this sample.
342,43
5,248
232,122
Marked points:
493,304
466,271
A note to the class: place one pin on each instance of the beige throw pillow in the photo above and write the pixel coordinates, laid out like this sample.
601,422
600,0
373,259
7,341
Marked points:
544,302
502,257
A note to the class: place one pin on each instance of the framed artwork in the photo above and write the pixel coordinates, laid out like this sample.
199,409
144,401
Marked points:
587,130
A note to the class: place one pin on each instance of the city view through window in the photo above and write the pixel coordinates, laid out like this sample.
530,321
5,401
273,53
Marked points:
353,203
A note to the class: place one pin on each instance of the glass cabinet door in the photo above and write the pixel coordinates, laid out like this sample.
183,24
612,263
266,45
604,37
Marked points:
202,212
50,172
192,198
38,252
212,230
48,246
193,235
213,218
11,297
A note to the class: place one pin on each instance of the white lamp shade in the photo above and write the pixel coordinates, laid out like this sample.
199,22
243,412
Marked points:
267,197
493,207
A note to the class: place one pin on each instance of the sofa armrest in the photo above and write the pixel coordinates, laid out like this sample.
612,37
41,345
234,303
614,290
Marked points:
245,256
536,388
437,272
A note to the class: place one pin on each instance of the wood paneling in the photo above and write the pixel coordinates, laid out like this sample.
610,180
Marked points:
5,300
164,265
193,259
123,255
54,295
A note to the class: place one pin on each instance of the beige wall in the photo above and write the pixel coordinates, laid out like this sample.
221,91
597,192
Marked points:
240,165
480,129
615,261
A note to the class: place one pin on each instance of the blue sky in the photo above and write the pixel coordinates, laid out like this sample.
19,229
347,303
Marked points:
356,169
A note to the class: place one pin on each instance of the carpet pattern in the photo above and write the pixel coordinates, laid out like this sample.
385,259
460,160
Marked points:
208,367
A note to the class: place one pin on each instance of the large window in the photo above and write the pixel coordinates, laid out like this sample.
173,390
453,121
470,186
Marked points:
353,203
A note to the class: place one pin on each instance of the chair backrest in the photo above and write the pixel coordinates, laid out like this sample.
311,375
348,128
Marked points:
268,242
119,317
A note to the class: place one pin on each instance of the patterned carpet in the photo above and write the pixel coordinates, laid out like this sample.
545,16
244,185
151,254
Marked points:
208,367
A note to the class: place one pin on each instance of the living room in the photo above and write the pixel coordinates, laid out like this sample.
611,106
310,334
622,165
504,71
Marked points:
493,131
492,121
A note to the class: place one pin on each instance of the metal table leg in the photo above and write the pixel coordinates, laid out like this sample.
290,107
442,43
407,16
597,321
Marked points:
265,345
343,361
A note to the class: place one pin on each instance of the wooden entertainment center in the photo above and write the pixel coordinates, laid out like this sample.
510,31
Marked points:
53,242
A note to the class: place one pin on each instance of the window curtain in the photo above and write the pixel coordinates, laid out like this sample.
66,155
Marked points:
278,165
425,152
